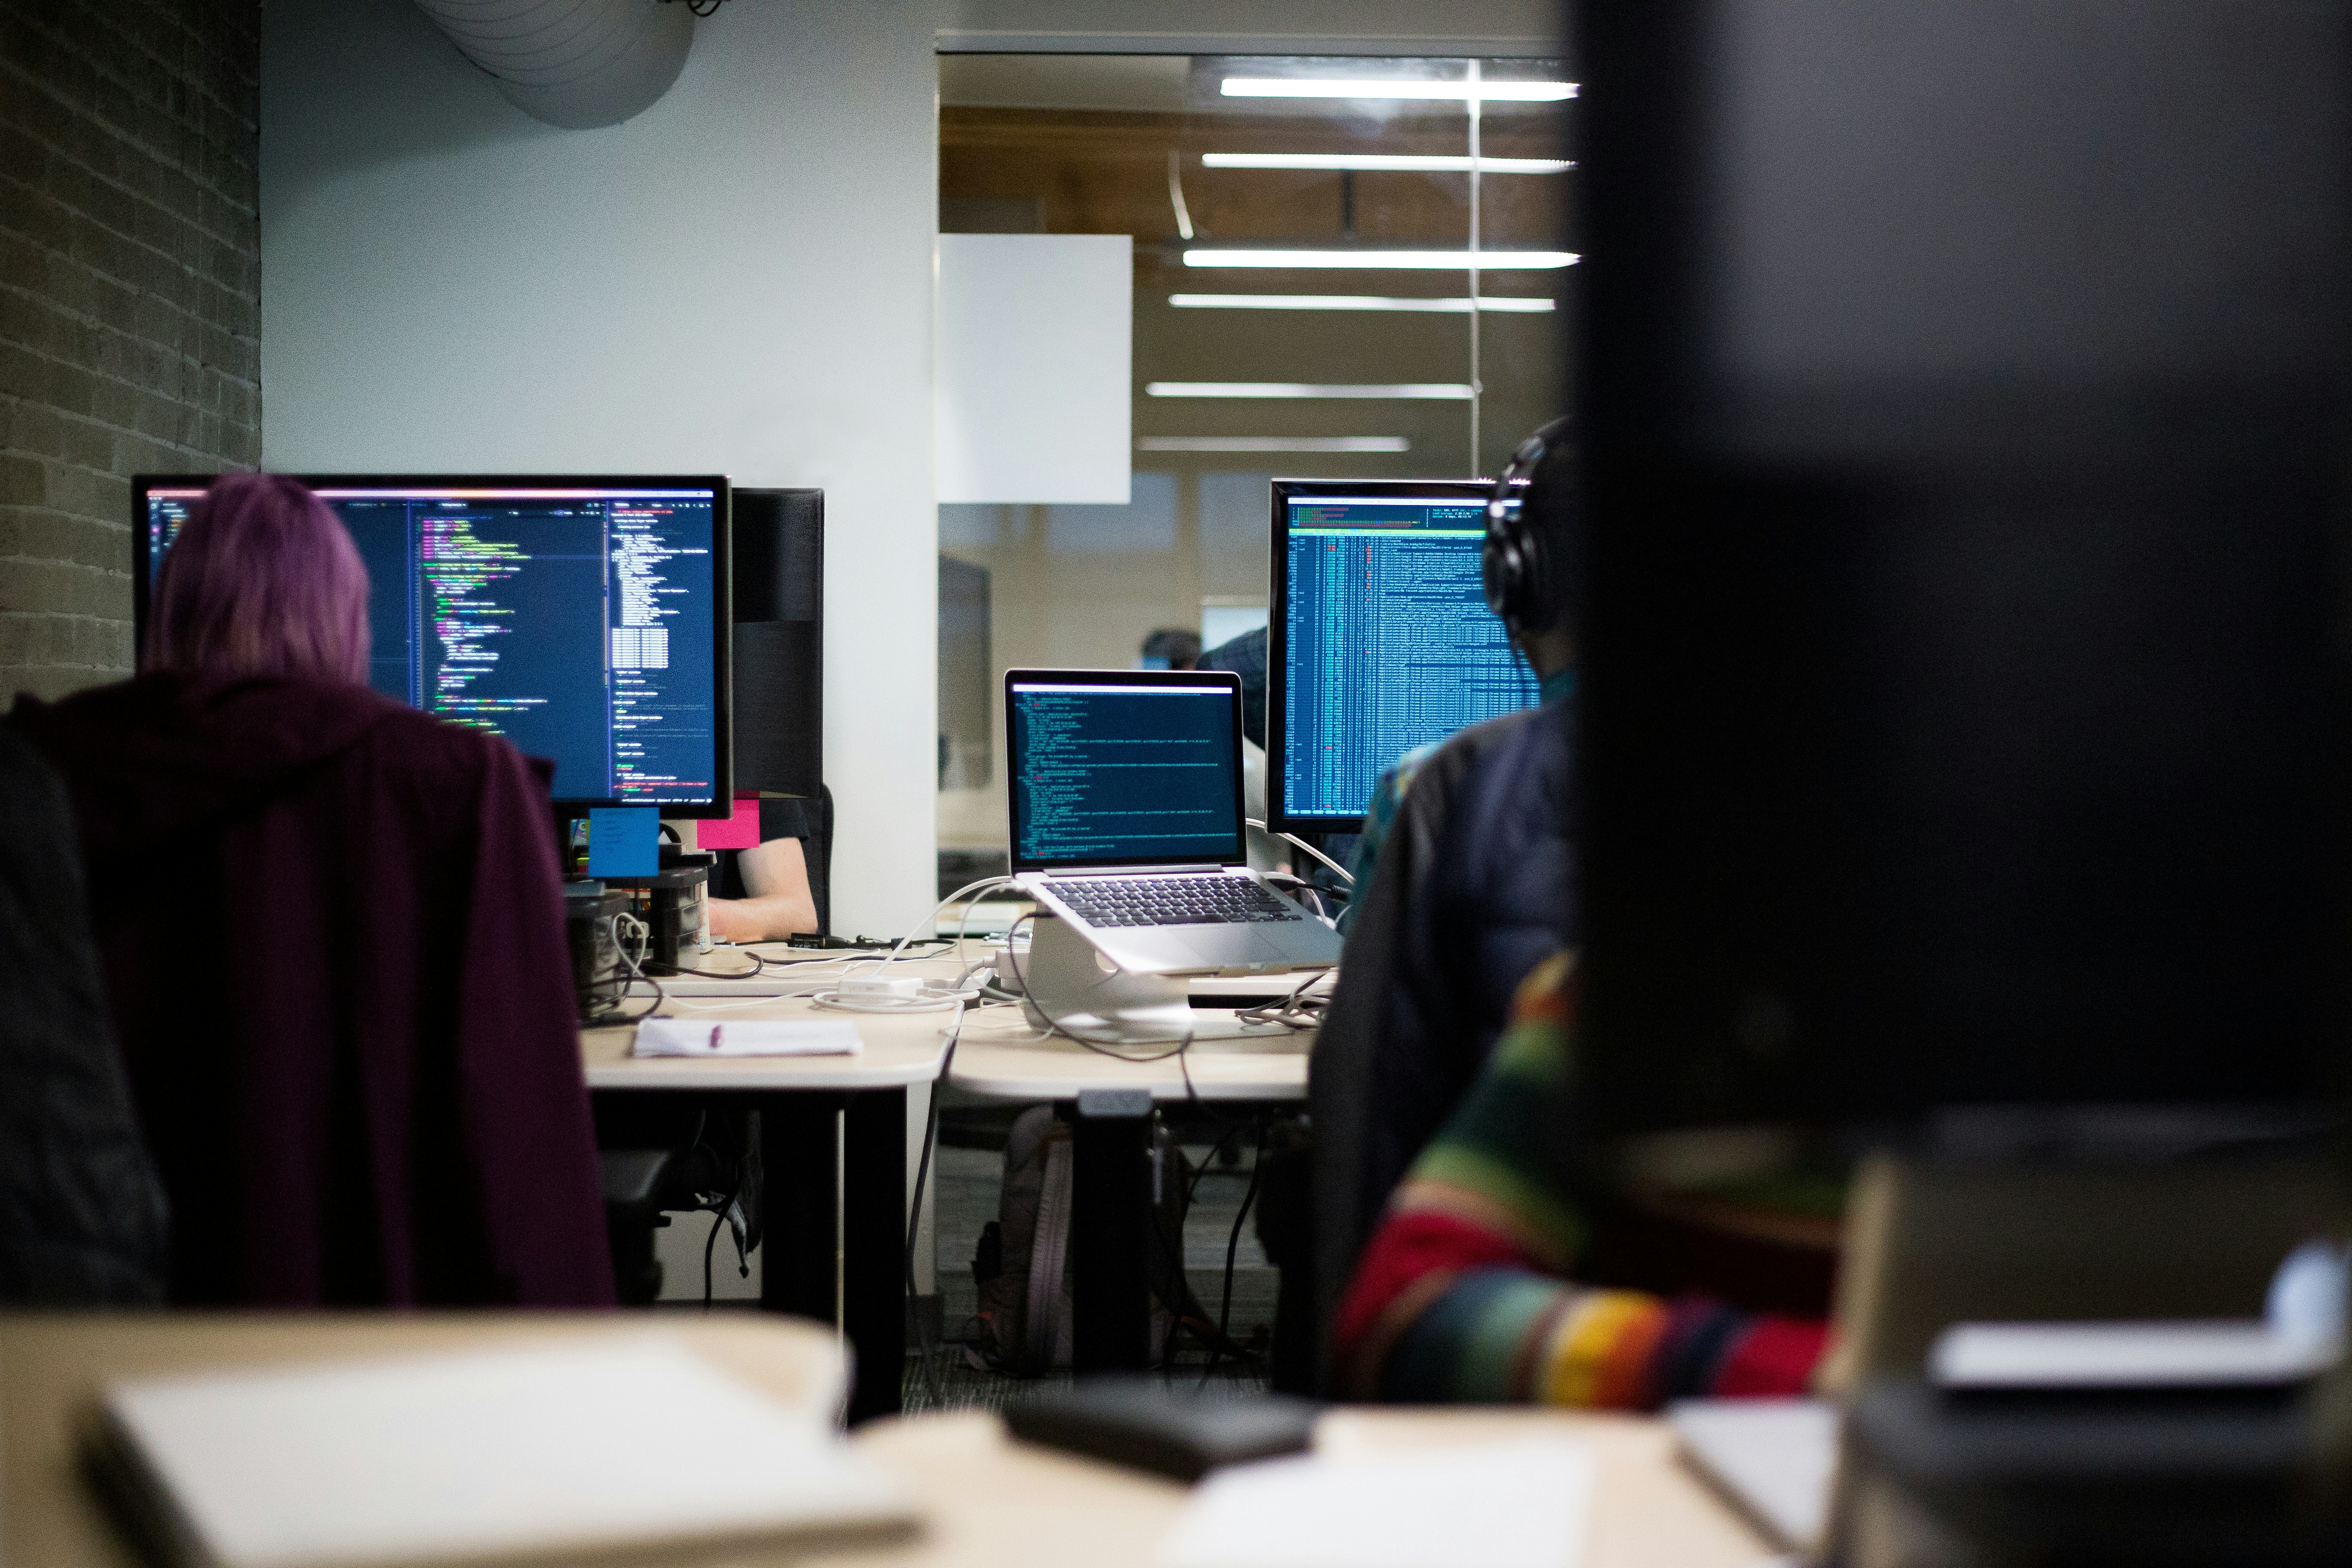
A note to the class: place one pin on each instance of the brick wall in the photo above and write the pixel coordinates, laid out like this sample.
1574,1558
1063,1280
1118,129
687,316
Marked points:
130,300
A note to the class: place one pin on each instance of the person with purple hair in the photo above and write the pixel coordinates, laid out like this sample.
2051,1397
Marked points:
332,934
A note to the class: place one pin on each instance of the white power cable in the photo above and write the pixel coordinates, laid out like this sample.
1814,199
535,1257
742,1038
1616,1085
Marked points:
1301,843
916,935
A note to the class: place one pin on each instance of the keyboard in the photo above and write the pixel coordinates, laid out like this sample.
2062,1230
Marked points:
1109,901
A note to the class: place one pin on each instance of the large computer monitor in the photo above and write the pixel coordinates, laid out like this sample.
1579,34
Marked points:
585,618
1379,638
1963,681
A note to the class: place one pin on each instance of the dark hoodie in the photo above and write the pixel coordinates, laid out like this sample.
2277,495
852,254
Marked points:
332,935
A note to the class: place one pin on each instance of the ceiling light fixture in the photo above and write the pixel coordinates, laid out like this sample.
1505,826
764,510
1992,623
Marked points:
1408,162
1457,306
1397,87
1273,444
1446,391
1389,260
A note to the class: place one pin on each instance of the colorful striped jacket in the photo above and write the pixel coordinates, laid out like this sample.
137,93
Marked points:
1462,1296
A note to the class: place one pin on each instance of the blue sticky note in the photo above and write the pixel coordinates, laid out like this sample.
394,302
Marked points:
623,840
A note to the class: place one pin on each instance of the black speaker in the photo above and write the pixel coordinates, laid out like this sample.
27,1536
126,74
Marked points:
779,644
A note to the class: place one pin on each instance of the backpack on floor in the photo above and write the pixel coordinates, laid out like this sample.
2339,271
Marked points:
1022,1264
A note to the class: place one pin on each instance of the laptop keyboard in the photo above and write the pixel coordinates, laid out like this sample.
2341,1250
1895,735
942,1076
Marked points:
1109,901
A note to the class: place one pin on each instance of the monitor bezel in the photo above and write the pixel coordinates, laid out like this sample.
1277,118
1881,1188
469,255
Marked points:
1278,816
722,803
1226,678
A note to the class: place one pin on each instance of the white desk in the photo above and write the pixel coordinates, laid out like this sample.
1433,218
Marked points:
999,1056
815,1167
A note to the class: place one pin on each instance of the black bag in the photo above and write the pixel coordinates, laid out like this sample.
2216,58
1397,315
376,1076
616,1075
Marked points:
1022,1263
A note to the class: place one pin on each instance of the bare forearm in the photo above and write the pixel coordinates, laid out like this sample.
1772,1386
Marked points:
763,919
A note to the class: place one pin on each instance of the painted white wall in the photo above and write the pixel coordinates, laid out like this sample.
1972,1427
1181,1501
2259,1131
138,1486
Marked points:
737,280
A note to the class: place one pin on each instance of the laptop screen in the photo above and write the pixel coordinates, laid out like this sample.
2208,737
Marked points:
1124,768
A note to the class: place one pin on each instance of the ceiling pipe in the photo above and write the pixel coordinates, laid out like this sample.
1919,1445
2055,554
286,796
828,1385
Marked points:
573,63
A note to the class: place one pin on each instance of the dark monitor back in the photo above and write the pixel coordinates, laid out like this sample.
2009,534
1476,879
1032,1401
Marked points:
1963,672
779,542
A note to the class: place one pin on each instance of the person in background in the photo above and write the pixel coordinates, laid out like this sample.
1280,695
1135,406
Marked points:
764,893
1244,656
1463,1295
1169,647
332,934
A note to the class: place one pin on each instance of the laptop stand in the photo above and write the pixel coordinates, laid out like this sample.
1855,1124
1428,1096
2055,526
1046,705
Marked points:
1067,985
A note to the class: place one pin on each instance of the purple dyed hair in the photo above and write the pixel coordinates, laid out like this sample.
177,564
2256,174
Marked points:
263,580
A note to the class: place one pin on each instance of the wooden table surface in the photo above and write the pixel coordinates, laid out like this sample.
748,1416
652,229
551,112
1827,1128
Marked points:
990,1502
51,1364
996,1504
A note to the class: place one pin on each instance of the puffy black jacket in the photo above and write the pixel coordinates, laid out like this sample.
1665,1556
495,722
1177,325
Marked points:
1472,891
82,1211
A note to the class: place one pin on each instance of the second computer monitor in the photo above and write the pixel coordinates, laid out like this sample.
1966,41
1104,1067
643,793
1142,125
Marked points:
1378,640
584,618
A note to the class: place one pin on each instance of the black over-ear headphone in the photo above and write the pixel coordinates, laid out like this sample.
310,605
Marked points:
1512,564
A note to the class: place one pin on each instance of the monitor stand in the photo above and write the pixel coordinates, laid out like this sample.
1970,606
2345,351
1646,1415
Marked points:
1067,984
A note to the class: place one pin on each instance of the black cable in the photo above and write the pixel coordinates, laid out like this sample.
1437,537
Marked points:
915,1211
710,1242
759,963
1233,1245
1192,1192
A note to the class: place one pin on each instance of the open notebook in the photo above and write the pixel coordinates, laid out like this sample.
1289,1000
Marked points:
626,1447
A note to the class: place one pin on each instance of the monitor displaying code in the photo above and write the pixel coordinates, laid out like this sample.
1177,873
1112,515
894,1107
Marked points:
1121,775
1387,642
580,624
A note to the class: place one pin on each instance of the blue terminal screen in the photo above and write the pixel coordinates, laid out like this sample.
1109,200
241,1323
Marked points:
1388,643
579,623
1124,774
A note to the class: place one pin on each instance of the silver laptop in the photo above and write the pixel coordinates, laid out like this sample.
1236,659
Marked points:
1125,787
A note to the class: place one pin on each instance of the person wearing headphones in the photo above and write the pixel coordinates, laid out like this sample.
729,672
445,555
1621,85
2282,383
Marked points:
1461,881
1520,590
1450,1204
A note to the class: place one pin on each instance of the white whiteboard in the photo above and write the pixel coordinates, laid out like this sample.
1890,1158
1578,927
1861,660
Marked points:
1032,378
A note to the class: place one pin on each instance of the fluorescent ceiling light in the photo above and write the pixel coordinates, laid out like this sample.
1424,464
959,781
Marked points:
1396,86
1388,260
1273,444
1457,306
1410,162
1446,390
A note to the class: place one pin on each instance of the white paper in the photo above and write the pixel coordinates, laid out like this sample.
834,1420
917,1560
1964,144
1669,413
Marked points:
1488,1505
748,1037
1777,1457
1035,332
488,1453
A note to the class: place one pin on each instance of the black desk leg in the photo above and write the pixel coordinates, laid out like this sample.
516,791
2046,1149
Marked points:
1110,1223
874,1268
797,1148
797,1172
